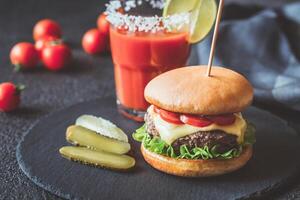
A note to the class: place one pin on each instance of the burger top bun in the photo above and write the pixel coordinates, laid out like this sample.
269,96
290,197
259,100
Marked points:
189,90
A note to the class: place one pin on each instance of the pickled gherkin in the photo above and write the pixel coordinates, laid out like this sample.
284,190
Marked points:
102,126
97,158
81,136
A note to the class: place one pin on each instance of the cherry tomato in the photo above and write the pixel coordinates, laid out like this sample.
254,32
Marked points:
41,43
24,55
170,116
103,24
9,96
56,57
46,27
195,120
223,120
93,41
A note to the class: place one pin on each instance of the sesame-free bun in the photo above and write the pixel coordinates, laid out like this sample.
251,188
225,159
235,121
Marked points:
196,168
189,90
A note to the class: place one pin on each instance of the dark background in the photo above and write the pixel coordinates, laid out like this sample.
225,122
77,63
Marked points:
88,77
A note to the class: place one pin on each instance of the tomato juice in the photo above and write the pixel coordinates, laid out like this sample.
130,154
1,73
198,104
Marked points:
138,57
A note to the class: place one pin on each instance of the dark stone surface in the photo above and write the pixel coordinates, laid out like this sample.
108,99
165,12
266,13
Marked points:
89,77
39,158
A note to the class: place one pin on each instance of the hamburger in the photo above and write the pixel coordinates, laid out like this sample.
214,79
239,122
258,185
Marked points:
194,126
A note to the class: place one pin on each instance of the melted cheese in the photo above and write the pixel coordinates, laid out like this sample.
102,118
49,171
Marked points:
170,132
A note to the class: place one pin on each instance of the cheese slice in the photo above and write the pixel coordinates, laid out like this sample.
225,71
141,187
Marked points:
170,132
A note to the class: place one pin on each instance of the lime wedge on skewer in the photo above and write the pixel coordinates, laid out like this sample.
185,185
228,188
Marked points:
179,6
203,14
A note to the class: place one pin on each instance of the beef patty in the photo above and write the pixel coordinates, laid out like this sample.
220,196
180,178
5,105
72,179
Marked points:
223,141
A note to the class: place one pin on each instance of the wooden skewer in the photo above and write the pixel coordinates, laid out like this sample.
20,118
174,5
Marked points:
215,36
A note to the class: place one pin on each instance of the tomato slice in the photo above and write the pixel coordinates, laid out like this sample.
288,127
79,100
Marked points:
194,120
223,120
156,109
170,116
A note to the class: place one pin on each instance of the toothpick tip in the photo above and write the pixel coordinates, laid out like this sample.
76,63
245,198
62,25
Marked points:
215,36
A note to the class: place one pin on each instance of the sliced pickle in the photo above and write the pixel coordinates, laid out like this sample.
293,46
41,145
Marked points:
97,158
81,136
101,126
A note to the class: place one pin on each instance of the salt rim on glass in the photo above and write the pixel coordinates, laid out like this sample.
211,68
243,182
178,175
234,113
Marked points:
152,24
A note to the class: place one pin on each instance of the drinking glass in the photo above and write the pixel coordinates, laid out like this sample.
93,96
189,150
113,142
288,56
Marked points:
143,45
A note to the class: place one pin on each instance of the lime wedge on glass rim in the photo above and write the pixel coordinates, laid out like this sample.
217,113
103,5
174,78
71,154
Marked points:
203,15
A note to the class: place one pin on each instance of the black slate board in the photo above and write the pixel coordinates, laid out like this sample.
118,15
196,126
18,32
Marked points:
274,162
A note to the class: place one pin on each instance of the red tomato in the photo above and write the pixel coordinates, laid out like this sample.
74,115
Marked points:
46,27
223,120
93,41
41,43
56,57
170,116
103,24
195,120
24,55
156,109
9,96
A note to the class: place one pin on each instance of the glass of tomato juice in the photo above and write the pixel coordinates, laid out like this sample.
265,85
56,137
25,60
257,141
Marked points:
143,45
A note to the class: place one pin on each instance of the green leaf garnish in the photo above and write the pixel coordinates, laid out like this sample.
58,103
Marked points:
157,145
140,133
249,137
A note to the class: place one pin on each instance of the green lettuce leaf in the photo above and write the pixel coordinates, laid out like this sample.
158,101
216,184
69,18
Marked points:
140,133
249,137
157,145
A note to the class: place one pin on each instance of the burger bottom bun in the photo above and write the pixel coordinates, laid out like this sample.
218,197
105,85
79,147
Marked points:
196,168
